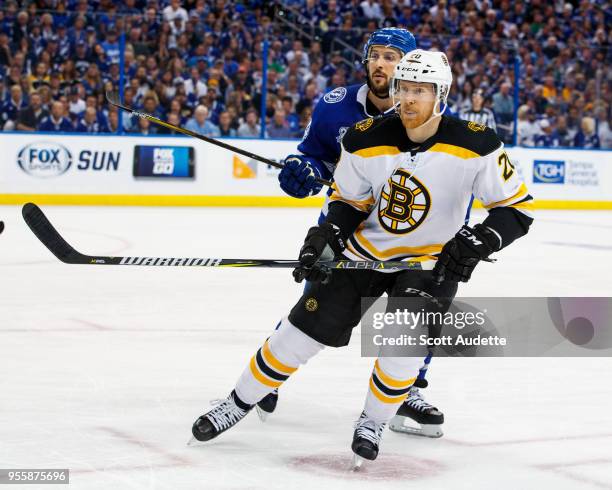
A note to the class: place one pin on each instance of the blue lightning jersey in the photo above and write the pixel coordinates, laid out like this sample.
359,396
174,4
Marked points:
333,115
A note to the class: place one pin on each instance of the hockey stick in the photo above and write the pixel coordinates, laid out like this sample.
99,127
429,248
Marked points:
113,98
50,238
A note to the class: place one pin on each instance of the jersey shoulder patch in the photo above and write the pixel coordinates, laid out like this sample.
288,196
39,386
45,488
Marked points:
477,138
336,95
384,130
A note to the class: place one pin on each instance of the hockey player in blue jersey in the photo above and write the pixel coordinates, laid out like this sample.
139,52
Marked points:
320,149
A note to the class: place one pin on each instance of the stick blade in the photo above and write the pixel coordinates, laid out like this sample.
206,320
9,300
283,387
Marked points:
113,98
49,236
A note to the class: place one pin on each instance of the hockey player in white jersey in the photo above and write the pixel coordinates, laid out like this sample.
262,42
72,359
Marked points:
320,151
401,187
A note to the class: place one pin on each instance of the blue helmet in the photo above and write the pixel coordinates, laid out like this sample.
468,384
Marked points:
392,37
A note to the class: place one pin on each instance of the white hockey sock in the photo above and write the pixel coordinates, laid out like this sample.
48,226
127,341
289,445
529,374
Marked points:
275,361
390,382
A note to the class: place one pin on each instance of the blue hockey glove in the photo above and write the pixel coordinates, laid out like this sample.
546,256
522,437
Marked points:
298,177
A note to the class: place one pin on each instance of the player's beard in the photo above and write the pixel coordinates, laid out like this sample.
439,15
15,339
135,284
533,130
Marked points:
413,117
378,87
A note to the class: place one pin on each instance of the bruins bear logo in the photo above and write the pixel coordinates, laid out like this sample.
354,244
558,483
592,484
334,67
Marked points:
474,126
311,305
404,203
365,124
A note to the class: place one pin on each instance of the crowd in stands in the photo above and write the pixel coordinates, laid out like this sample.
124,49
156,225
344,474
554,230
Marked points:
198,63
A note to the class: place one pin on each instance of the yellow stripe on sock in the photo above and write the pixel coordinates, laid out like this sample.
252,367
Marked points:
384,398
274,362
391,382
261,377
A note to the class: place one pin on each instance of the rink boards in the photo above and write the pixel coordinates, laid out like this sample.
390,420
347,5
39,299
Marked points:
49,168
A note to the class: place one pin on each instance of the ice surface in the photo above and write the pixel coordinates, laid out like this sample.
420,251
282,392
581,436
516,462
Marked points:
103,370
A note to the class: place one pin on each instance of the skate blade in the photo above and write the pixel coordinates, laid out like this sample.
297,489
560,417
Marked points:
425,430
357,462
262,414
192,442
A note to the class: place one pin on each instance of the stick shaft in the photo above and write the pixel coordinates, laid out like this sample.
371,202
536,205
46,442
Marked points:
58,246
114,100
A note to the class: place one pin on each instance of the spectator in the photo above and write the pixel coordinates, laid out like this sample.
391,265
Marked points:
89,123
76,105
315,75
547,138
503,104
40,76
333,66
144,127
199,123
174,119
564,53
56,121
279,126
92,101
30,118
549,91
587,137
92,82
151,106
527,128
195,85
291,115
4,94
12,106
604,132
371,9
175,11
5,49
113,121
478,113
225,125
250,128
111,46
564,136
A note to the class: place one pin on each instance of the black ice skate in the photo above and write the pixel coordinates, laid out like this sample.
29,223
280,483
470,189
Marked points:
267,405
366,440
417,409
225,415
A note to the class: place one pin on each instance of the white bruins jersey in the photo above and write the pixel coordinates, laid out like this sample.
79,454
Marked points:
416,195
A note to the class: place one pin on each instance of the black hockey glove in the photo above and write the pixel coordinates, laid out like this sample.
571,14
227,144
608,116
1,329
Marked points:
322,243
460,255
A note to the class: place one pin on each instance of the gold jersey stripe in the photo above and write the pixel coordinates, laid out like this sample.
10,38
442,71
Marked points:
274,362
457,151
527,205
384,398
262,378
389,381
363,205
522,192
391,252
377,151
360,205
